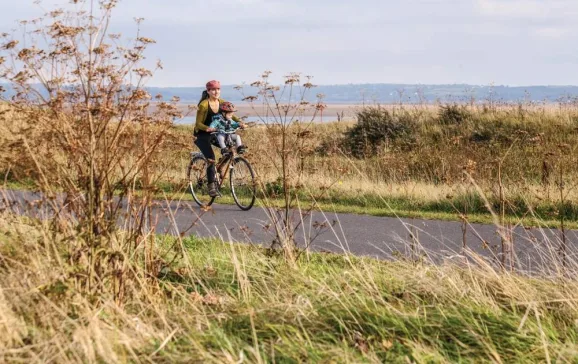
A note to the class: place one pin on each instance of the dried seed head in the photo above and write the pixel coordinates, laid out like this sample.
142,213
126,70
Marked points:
57,29
28,53
108,5
101,49
56,13
143,72
146,40
470,166
10,44
132,56
141,94
21,77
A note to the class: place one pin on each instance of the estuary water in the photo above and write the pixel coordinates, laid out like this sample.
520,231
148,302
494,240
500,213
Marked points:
259,120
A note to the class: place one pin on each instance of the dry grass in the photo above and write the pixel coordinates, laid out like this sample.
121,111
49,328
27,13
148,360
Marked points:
75,288
225,303
535,146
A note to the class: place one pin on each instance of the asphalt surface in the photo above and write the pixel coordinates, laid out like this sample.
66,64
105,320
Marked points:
535,249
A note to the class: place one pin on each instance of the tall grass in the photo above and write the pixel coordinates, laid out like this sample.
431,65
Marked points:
425,168
421,170
222,302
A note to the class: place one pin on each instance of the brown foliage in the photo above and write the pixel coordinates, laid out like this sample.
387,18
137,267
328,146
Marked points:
87,133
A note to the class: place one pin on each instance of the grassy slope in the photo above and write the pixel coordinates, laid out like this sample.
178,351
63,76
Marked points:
223,302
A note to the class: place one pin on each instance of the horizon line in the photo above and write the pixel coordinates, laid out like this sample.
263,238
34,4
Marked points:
397,84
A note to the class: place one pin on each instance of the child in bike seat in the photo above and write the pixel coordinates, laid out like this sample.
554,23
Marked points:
224,122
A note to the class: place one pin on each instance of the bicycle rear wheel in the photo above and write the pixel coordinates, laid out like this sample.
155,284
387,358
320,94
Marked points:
198,183
243,186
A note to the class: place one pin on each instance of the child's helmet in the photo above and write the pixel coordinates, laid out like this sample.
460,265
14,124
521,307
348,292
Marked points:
227,107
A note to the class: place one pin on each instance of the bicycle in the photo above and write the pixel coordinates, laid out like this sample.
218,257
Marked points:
241,177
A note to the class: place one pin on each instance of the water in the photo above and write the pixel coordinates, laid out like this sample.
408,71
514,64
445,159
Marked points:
305,119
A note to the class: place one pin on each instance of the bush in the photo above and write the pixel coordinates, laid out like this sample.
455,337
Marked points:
453,114
502,129
376,127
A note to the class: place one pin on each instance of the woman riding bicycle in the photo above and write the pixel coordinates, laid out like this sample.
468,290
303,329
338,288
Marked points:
207,108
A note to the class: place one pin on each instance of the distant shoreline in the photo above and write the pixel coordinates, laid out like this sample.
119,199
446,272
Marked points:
245,109
349,111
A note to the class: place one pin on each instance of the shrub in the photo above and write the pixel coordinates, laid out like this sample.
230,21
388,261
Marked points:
453,114
376,127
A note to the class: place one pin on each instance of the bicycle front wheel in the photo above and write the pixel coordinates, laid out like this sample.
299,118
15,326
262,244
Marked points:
243,184
198,182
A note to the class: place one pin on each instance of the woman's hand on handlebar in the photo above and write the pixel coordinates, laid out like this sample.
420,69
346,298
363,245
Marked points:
211,130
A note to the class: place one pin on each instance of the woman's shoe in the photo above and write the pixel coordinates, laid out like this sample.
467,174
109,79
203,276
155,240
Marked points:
213,190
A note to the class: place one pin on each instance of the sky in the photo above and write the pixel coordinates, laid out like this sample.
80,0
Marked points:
504,42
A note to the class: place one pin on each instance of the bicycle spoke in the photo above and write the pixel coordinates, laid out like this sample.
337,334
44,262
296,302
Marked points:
243,184
198,183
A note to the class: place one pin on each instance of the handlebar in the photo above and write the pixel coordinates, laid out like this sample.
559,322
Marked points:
224,132
248,124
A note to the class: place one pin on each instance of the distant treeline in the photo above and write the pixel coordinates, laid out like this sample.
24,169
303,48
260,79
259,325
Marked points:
390,93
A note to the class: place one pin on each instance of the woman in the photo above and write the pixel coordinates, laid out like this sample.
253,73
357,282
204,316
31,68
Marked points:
207,108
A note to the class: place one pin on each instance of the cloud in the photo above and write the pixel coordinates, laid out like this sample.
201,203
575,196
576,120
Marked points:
529,9
213,12
512,8
341,41
552,32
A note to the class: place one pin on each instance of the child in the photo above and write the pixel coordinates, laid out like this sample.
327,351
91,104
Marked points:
223,122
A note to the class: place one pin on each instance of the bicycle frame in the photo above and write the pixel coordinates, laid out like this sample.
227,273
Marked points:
224,167
219,165
224,162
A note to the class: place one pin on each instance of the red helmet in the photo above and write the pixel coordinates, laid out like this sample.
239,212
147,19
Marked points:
227,107
213,84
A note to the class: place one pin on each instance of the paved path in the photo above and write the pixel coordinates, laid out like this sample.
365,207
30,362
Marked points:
380,237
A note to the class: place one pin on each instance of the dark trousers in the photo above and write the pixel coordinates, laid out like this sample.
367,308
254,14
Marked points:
204,143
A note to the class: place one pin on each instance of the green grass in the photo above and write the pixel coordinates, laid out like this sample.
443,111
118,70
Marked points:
220,302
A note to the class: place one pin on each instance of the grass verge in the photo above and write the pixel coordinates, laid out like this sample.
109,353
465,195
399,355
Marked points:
219,302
